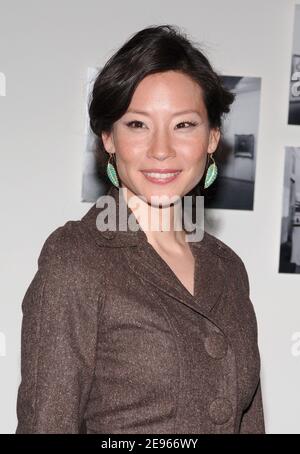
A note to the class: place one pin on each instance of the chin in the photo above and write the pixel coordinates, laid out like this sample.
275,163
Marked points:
146,191
161,197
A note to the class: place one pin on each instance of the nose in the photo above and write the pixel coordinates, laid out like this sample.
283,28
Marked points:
161,146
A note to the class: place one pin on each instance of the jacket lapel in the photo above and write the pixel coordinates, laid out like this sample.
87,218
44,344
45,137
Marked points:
146,263
208,280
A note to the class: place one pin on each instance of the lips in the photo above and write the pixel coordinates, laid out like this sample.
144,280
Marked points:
161,176
161,170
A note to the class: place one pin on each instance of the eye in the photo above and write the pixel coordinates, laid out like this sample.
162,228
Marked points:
191,123
130,123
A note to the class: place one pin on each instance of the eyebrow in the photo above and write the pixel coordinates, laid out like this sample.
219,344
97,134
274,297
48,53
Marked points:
142,112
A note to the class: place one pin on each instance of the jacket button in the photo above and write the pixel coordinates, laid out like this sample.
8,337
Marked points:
220,411
108,234
216,345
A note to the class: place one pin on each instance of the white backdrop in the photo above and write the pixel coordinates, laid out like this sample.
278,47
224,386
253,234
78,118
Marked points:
45,50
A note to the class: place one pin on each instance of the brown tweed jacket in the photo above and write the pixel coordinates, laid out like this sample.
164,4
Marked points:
112,342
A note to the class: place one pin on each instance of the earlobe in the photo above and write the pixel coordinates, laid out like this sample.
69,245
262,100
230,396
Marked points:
214,138
107,141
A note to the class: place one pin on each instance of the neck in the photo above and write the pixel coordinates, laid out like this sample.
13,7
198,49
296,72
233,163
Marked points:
161,224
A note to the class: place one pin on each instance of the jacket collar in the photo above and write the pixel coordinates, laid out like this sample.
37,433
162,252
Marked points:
209,255
117,237
127,237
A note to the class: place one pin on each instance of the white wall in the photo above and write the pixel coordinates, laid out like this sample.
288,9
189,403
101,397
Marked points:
296,37
45,49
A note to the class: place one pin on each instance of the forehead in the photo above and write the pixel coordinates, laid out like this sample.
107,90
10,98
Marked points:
168,89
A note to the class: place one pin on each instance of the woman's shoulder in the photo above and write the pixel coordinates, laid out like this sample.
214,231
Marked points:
231,259
61,244
65,271
220,248
70,251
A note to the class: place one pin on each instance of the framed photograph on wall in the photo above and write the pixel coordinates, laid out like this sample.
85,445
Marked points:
295,80
244,145
294,88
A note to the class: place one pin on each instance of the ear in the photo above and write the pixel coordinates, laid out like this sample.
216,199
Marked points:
214,137
108,141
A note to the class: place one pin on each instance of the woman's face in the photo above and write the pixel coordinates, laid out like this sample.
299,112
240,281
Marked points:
164,129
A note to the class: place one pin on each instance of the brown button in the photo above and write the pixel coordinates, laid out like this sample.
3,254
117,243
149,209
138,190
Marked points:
220,411
216,345
108,234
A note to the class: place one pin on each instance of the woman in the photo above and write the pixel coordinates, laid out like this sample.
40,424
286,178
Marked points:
144,330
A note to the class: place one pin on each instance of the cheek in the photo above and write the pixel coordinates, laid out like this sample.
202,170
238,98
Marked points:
195,153
193,145
129,148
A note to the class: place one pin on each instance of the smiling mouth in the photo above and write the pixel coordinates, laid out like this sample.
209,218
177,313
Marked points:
161,177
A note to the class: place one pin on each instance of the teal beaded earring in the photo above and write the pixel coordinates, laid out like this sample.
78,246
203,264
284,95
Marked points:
111,172
211,173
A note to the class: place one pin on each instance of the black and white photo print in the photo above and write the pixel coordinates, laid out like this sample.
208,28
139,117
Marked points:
92,184
237,150
289,261
294,95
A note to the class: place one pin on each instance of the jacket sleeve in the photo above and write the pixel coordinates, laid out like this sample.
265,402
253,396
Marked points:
253,417
252,421
58,341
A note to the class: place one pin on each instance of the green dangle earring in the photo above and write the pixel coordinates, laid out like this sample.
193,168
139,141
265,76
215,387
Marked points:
211,173
111,172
